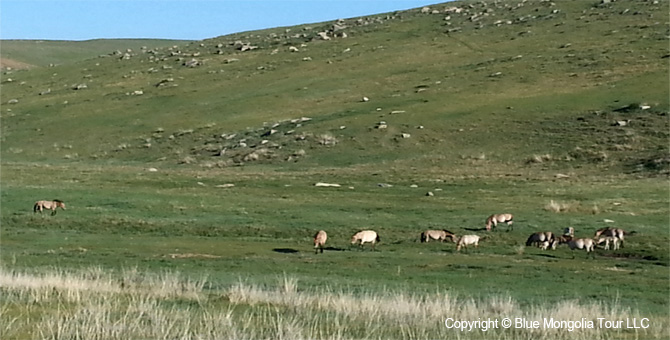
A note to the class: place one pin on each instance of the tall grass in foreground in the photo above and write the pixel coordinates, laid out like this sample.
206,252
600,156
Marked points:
93,304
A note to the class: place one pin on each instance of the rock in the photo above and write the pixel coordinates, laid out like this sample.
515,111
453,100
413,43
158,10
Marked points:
331,185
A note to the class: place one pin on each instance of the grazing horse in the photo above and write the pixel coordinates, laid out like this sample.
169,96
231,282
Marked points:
542,239
617,233
48,205
366,236
494,219
467,240
440,235
319,241
579,243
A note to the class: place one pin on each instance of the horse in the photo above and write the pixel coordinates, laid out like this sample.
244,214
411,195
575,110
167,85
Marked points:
467,240
578,243
569,231
440,235
499,218
612,232
607,239
542,239
49,205
366,236
319,241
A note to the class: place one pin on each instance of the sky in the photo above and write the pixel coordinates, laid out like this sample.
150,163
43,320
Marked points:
174,19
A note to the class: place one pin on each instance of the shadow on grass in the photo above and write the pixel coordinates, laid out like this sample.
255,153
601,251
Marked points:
286,250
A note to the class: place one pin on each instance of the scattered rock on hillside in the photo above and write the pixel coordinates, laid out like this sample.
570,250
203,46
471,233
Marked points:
331,185
192,63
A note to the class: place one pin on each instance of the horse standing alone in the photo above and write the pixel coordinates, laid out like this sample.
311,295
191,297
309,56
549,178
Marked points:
366,236
319,241
48,205
494,219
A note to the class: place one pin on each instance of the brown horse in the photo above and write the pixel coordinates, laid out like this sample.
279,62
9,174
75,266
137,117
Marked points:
616,233
578,243
440,235
319,241
494,219
48,205
542,239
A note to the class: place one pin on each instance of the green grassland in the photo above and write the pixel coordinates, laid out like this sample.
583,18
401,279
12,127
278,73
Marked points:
209,170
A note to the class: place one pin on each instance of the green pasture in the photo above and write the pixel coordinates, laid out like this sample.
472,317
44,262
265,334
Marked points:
261,228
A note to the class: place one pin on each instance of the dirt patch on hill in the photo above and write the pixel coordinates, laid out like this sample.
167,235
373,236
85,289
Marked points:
13,64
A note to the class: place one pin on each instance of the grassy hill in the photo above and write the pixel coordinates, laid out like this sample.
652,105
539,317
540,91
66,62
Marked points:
21,54
480,83
198,163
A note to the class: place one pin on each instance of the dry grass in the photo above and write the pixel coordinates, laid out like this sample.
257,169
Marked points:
558,207
97,305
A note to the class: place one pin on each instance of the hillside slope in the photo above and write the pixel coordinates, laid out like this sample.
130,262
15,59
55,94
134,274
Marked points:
572,85
22,54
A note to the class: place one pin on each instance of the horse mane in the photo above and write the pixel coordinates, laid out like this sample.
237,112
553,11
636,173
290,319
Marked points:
58,201
447,231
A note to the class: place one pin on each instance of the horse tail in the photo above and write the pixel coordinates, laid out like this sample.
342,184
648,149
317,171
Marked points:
36,207
378,239
423,237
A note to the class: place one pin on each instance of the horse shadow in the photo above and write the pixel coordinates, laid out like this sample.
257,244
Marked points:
286,250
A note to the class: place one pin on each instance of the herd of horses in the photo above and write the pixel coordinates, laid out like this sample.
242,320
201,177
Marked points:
608,236
541,239
611,237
